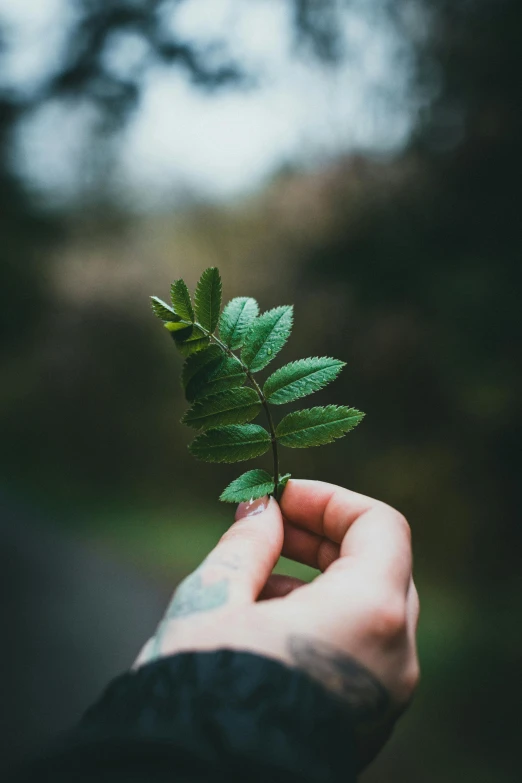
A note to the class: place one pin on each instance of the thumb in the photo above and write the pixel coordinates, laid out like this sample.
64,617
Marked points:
250,548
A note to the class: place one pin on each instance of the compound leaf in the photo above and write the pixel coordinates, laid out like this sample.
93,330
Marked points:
236,319
297,379
317,426
189,340
162,310
266,336
198,361
214,382
250,486
181,301
234,443
233,406
218,375
208,298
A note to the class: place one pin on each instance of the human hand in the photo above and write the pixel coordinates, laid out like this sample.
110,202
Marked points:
352,629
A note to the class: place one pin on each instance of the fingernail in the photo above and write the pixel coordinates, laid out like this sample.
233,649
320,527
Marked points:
252,508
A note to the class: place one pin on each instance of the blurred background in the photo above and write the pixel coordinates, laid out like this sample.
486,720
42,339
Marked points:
361,160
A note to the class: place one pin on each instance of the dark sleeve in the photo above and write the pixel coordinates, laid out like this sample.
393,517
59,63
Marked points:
209,716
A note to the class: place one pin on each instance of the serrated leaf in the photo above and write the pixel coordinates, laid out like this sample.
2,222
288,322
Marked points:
317,426
199,360
297,379
181,302
162,310
234,443
233,406
265,338
190,340
236,319
218,375
208,298
250,486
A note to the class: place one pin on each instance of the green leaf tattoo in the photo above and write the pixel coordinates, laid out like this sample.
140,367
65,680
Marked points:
224,394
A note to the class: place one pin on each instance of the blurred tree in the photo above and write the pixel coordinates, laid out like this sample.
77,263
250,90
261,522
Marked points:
23,230
439,250
85,73
445,247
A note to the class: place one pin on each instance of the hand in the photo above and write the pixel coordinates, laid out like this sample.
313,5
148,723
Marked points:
352,629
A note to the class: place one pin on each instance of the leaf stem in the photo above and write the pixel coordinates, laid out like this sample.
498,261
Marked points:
262,399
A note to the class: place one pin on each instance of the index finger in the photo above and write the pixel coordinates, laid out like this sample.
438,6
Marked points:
370,533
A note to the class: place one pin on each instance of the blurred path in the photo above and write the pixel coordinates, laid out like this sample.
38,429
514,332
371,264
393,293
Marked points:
70,621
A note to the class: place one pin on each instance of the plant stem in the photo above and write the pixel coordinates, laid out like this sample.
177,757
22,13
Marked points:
262,399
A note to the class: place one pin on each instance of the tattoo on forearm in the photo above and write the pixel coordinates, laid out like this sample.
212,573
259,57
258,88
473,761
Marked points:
343,676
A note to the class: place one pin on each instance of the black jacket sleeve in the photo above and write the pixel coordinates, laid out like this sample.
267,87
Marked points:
209,716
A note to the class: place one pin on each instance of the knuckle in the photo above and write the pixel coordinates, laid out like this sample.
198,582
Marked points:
415,602
402,525
387,619
400,522
327,554
411,678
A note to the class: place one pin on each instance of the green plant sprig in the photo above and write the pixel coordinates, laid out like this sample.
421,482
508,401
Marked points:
225,396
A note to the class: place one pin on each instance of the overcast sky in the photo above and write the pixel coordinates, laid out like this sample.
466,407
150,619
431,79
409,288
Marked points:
224,144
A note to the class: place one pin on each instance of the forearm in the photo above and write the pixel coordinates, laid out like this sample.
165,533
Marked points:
207,716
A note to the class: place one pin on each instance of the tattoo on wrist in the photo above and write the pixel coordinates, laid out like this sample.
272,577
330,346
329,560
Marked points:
344,676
